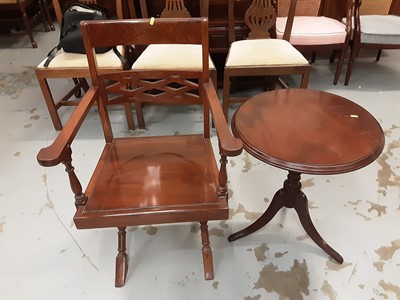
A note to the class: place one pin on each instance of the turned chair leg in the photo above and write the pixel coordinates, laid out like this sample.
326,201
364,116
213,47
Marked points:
121,265
206,251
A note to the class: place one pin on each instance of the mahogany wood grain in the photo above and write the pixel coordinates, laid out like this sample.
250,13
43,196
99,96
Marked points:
305,131
152,179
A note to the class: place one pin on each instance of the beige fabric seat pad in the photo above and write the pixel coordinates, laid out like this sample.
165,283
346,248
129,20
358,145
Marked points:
171,57
62,60
264,52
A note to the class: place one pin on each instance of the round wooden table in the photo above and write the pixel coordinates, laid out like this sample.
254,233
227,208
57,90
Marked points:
305,131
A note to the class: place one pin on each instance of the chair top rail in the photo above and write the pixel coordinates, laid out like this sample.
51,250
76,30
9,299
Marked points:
144,31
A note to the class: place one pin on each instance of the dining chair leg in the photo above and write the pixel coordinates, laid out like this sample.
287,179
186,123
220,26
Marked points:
27,24
305,78
121,266
378,55
353,54
207,253
46,13
51,107
340,64
129,117
225,97
139,115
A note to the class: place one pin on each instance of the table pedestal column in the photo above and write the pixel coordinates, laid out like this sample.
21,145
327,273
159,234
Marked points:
290,196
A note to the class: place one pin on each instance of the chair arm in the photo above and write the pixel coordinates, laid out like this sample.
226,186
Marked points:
230,146
59,150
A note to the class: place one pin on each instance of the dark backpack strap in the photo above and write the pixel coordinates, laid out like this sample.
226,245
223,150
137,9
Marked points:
120,56
51,55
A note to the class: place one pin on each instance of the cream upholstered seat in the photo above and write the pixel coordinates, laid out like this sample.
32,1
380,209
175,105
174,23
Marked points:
312,32
171,57
63,59
253,53
373,32
260,55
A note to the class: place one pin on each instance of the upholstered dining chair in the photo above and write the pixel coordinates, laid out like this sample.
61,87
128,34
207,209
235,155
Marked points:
179,57
154,179
72,65
23,11
313,33
372,32
260,54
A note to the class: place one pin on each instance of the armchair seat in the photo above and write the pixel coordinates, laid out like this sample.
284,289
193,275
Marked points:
142,181
311,30
380,29
252,53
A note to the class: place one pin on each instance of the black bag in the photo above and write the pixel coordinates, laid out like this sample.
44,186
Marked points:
71,39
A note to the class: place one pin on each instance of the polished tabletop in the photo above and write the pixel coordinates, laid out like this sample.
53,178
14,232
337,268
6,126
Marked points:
308,131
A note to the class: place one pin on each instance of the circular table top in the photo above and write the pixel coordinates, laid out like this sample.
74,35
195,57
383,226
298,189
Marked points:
308,131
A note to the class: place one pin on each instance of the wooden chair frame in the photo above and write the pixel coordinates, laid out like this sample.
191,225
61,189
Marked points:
356,43
176,9
178,154
260,10
22,6
78,75
333,48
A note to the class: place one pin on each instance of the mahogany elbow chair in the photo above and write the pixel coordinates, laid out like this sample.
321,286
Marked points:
261,54
131,184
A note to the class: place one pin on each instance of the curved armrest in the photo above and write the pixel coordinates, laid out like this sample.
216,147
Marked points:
59,149
230,146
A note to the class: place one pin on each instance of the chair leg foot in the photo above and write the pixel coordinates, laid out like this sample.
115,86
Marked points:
207,253
121,266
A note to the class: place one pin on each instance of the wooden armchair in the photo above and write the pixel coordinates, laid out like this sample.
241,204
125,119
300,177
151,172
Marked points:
313,33
157,179
373,32
261,54
73,65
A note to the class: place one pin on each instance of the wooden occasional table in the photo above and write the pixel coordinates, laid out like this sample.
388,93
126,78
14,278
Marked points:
305,131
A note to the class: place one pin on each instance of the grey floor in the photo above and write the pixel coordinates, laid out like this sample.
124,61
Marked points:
43,256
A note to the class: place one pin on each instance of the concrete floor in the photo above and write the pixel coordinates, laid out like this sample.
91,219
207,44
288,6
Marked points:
43,256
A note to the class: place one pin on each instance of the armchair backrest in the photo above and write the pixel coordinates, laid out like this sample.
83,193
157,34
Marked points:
158,86
260,18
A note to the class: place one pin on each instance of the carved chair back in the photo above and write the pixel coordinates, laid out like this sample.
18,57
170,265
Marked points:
260,18
175,9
